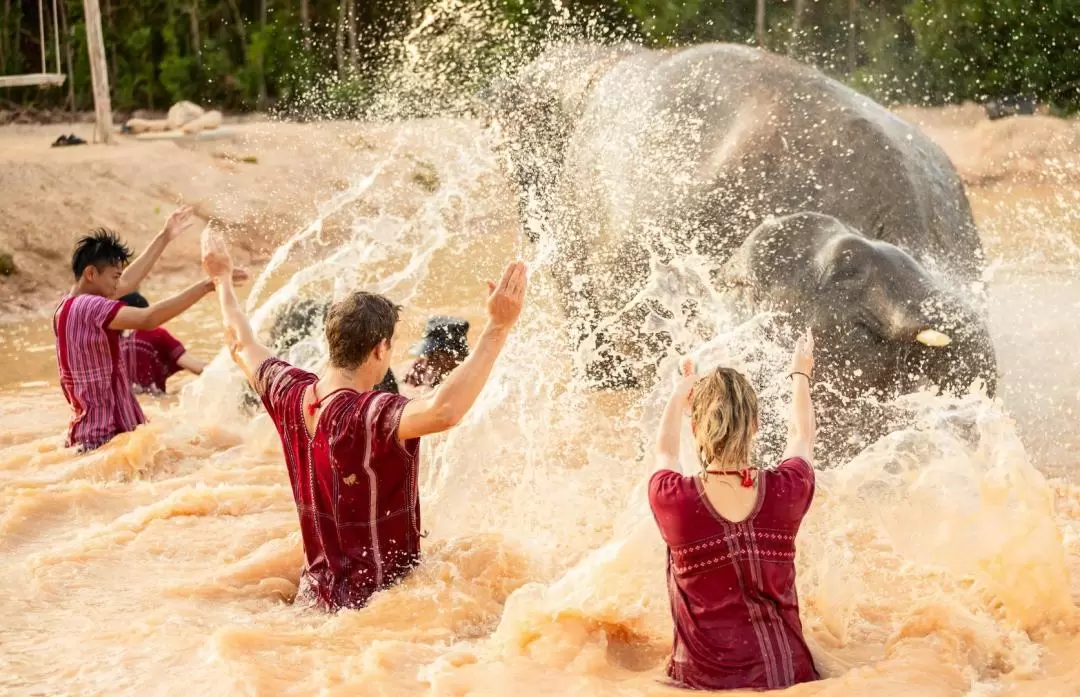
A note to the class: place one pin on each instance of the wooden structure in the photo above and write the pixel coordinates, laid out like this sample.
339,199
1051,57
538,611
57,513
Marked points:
31,79
99,73
98,70
44,78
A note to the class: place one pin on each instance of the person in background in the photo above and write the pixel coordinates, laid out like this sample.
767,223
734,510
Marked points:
730,533
87,324
154,355
444,347
352,453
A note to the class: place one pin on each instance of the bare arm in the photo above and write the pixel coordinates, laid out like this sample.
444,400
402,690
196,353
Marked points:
191,363
138,270
159,313
245,349
803,426
445,407
667,435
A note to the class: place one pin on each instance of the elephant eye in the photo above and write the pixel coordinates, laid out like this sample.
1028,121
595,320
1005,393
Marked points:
844,273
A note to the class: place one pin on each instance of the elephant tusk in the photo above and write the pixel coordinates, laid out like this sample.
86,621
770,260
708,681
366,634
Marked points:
932,337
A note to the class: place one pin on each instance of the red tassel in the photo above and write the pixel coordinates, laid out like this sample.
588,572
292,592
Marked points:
747,481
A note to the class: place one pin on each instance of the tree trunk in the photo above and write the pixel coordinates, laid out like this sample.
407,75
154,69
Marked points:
759,21
262,56
240,30
196,38
70,58
354,55
343,12
852,46
305,24
796,28
4,36
99,72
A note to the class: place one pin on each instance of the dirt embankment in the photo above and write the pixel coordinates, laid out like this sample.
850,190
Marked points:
263,184
270,178
1025,150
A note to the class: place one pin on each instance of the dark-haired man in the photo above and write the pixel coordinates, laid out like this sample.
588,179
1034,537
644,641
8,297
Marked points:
444,346
153,356
352,452
87,326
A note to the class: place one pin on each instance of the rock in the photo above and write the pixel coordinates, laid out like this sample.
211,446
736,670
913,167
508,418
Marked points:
183,113
7,264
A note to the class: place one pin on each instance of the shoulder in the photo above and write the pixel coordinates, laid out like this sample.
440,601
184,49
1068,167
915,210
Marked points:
667,486
793,482
371,420
275,377
163,339
94,309
375,411
796,467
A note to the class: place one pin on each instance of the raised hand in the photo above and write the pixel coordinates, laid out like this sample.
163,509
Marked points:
802,360
684,383
507,297
178,222
215,255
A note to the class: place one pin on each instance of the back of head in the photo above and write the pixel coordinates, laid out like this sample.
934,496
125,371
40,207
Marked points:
101,248
724,411
135,300
356,325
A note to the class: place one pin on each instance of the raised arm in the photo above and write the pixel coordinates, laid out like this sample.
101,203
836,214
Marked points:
447,405
161,312
138,270
803,427
244,348
667,435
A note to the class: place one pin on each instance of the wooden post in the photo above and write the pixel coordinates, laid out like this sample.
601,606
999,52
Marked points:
99,72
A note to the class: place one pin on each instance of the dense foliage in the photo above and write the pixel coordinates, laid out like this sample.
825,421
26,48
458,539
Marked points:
337,57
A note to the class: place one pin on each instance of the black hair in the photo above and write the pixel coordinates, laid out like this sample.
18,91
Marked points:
135,300
100,248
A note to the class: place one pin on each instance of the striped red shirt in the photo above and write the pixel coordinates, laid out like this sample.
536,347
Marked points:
732,585
355,486
92,371
150,356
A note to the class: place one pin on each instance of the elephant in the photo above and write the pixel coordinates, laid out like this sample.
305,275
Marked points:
802,195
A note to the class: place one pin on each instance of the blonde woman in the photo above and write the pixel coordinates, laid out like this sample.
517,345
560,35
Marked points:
730,532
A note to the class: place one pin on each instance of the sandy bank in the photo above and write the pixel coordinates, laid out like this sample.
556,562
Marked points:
270,179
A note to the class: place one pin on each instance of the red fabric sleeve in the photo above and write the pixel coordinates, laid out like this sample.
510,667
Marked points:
96,310
272,382
385,411
664,488
797,480
168,347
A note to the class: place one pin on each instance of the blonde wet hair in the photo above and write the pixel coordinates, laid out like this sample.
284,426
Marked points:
724,411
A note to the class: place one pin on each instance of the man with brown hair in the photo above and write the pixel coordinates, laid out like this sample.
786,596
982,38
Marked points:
352,452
